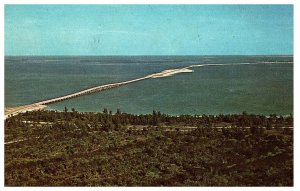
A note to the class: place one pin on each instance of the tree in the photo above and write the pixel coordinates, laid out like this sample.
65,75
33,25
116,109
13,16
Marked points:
73,112
118,112
155,118
105,111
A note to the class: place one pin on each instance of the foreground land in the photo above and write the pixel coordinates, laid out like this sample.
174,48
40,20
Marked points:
48,148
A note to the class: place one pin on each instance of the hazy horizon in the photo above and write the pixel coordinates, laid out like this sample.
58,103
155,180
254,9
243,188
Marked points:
160,55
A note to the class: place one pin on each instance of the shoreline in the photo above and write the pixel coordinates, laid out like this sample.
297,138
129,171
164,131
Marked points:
47,109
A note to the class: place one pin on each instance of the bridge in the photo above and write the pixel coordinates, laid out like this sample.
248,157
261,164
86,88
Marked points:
42,104
89,91
9,112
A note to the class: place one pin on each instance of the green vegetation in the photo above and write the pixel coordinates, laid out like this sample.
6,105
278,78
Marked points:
49,148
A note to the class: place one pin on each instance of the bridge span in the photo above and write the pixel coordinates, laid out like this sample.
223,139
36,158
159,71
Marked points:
42,104
89,91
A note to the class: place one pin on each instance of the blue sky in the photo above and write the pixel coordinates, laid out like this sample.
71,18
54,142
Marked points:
148,29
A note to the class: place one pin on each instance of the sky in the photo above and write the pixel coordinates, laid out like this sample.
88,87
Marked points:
148,29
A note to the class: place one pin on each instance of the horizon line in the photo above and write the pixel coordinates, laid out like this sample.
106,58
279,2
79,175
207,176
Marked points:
157,55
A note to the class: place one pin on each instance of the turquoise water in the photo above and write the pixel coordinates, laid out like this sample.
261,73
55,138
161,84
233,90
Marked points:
257,88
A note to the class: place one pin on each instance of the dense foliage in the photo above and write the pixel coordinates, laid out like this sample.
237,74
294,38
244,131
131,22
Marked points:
48,148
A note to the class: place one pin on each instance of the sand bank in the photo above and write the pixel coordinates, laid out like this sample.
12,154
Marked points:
21,109
170,72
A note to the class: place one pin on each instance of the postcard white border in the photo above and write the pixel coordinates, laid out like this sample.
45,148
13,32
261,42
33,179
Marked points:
296,83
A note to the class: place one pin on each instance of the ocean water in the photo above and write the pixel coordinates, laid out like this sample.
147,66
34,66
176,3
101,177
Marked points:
263,88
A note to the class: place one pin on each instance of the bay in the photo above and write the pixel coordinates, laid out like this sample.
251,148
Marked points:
263,88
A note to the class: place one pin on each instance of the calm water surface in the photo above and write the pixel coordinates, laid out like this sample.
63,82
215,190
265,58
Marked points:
258,88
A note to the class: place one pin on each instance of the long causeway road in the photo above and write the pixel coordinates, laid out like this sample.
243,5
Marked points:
42,104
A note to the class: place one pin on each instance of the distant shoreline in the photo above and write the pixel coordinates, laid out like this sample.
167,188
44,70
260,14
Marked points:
275,55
